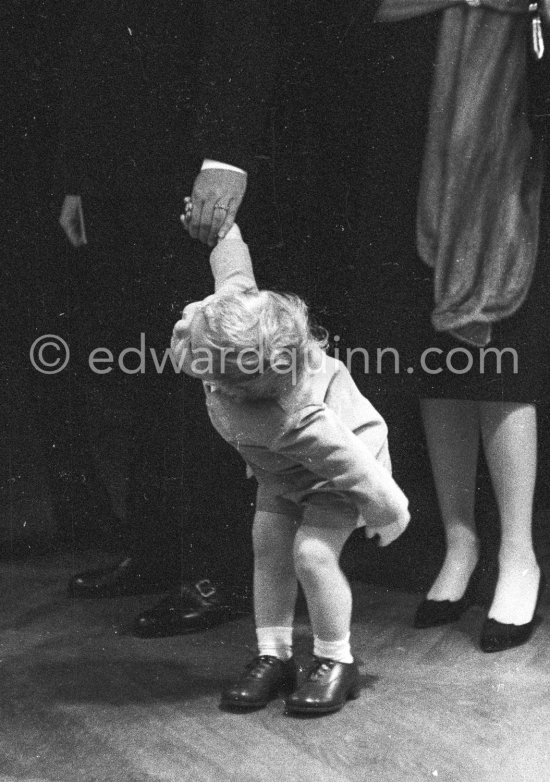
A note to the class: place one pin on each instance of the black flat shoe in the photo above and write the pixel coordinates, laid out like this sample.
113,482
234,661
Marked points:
191,608
262,680
433,613
327,687
128,577
498,636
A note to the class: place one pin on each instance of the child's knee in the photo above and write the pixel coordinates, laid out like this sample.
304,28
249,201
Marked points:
272,536
312,556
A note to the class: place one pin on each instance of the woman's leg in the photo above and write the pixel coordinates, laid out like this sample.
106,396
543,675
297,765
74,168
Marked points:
316,557
452,432
509,434
275,583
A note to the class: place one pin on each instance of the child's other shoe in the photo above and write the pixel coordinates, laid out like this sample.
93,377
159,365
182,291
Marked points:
327,687
261,681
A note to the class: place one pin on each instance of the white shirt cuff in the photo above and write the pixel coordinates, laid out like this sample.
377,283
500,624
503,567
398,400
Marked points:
216,164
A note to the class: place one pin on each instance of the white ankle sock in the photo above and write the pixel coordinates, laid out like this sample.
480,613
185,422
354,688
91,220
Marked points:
275,641
333,650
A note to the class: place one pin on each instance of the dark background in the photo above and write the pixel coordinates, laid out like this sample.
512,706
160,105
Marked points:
63,463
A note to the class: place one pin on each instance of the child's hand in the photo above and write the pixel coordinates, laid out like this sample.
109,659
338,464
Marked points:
389,532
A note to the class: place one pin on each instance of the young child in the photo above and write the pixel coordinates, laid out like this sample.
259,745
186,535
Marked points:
319,452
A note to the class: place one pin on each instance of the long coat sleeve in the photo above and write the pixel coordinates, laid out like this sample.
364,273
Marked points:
187,79
236,79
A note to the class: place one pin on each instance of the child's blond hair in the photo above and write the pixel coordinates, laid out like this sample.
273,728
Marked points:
265,339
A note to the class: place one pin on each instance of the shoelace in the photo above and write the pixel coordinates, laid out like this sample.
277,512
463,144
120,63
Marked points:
258,666
320,669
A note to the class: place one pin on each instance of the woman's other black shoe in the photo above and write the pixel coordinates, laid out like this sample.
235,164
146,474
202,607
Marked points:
433,613
498,636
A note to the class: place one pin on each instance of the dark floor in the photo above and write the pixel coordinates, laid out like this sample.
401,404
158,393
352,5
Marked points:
83,701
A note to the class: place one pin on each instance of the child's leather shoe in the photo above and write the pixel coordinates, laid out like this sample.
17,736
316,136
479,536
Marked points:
328,685
261,681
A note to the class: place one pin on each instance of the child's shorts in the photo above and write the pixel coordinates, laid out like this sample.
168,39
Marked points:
318,509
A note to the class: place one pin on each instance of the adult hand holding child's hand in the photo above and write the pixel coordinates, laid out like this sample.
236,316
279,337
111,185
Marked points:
233,233
216,198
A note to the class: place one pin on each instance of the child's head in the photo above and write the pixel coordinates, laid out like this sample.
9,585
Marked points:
259,342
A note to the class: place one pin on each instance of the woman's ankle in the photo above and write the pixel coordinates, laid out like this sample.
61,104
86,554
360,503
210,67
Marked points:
460,562
516,593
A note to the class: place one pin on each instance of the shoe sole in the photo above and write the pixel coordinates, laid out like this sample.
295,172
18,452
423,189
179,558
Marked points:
351,696
283,689
238,706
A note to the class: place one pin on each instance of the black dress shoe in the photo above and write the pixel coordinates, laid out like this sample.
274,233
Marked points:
191,608
129,577
262,680
498,636
433,613
328,685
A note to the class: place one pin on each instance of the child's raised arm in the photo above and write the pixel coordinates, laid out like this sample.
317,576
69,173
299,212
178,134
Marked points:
231,263
232,270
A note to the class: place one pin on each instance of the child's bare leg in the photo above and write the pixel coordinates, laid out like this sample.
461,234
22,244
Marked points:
275,590
316,556
275,583
333,677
